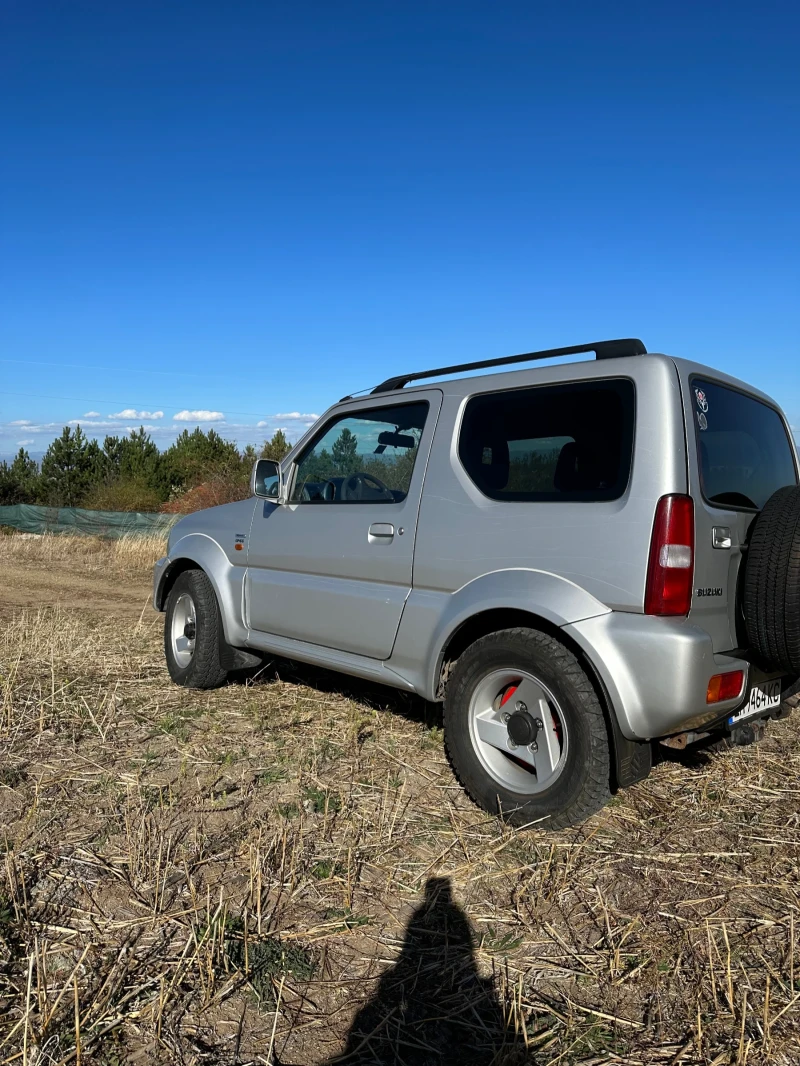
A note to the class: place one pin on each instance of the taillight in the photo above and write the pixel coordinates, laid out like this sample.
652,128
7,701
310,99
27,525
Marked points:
725,686
671,568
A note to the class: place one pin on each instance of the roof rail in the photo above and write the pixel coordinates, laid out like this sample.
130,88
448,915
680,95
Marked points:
602,349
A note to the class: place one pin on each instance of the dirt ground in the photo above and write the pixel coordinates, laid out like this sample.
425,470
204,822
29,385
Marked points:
33,584
285,870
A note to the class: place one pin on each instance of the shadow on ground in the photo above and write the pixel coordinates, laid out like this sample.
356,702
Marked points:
696,757
432,1007
378,697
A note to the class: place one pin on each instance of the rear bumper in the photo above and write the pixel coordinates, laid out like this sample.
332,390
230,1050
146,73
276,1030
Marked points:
656,671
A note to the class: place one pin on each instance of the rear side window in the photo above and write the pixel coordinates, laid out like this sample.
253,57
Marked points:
554,442
743,447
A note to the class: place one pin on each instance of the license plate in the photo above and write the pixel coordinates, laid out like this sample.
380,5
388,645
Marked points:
765,696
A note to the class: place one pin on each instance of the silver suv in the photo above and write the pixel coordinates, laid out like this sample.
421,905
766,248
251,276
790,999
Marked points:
577,559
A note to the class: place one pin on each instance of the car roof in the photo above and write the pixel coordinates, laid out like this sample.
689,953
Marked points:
561,372
633,367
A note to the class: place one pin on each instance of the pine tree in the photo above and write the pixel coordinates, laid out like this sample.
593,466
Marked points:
133,476
197,456
71,465
19,480
276,448
112,450
140,459
344,449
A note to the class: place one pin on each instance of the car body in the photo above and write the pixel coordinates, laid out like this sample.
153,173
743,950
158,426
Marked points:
393,587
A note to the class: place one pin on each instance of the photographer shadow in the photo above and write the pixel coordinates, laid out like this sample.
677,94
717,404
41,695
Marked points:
432,1007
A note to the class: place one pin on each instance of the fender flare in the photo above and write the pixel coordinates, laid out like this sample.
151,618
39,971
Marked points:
431,618
555,599
537,598
205,553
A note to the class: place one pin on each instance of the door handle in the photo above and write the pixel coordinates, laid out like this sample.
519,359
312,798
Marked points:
380,533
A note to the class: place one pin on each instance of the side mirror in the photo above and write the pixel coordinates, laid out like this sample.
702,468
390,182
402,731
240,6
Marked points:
266,480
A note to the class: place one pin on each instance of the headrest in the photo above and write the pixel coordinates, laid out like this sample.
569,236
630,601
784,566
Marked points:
487,460
564,476
582,465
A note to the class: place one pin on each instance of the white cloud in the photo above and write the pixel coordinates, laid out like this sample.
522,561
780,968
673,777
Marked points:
199,416
31,427
92,414
131,412
28,440
21,422
292,416
105,423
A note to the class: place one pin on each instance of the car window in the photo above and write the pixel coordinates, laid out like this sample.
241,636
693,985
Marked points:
743,447
553,442
363,457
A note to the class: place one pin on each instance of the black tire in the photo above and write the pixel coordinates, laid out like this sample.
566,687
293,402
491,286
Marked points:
204,670
772,583
583,785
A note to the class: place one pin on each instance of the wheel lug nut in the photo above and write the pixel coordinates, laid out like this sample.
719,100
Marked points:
534,746
539,724
511,744
506,716
520,706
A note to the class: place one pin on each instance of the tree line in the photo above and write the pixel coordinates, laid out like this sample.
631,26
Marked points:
131,473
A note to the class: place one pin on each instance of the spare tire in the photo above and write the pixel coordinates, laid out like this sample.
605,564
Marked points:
772,583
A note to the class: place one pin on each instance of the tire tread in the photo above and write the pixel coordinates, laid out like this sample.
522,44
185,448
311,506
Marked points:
772,582
595,787
205,669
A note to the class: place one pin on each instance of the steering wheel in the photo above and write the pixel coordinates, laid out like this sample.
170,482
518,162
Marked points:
353,487
329,491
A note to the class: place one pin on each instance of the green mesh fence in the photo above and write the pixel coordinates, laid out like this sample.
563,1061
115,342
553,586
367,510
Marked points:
30,519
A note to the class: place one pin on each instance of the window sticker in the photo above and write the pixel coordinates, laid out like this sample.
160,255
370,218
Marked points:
702,421
702,401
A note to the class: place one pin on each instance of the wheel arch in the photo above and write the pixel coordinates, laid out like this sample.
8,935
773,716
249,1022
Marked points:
197,551
631,761
171,574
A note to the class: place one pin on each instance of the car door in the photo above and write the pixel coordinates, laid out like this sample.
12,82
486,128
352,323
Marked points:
741,454
333,565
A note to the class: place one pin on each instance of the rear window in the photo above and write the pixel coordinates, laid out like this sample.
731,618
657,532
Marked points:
743,447
553,442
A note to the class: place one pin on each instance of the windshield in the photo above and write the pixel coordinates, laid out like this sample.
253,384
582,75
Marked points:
743,447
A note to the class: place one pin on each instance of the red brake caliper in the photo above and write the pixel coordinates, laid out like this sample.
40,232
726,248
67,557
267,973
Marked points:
508,694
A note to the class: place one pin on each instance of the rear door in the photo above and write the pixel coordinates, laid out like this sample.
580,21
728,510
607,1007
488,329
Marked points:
740,453
333,566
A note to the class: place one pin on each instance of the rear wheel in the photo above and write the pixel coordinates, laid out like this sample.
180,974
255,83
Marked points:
193,632
525,731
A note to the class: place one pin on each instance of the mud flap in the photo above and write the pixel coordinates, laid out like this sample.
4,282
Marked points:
633,759
237,658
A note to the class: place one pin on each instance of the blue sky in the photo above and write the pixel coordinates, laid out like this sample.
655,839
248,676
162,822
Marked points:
235,213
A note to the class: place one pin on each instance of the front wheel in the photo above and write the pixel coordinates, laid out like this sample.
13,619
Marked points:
525,732
192,632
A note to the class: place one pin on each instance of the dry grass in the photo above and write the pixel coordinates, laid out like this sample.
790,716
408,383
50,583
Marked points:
130,552
228,877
